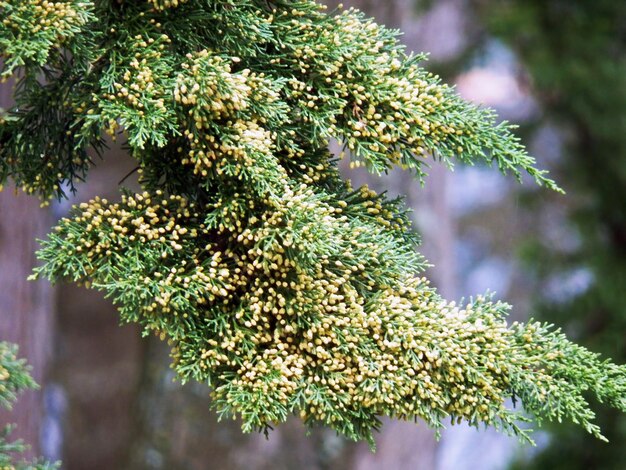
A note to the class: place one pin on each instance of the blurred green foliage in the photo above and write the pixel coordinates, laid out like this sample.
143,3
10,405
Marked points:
14,378
575,53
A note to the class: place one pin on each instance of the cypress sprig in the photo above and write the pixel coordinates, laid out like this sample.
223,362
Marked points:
276,283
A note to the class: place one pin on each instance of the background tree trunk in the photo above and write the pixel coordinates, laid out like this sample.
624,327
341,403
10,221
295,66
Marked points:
26,307
97,363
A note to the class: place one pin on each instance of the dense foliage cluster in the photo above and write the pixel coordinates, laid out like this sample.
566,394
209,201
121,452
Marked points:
14,378
276,282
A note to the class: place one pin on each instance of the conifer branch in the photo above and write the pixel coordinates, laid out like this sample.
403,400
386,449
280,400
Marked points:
276,283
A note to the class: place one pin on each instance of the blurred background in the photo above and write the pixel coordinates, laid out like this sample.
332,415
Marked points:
557,68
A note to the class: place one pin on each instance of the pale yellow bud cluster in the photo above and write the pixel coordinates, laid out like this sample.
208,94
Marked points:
164,4
169,225
220,133
383,106
140,87
377,356
44,14
4,375
239,144
53,21
405,121
210,89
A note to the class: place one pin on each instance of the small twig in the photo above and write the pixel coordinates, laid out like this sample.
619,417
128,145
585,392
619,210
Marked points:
128,175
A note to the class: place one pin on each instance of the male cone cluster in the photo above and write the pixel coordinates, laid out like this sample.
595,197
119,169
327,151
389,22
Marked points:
276,283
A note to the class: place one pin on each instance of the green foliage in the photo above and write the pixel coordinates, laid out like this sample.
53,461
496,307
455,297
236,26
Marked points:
31,30
575,53
275,282
13,375
14,378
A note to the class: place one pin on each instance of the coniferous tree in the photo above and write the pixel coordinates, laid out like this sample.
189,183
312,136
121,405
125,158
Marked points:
276,283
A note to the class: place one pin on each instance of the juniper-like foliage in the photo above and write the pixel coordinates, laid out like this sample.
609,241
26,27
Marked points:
276,283
14,378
